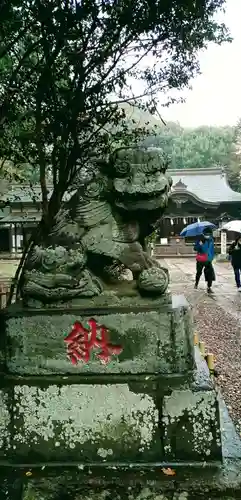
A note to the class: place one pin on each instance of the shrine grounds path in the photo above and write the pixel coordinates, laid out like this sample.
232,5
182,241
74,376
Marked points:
217,320
182,272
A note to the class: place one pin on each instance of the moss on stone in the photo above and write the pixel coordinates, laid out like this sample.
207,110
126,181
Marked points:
153,341
4,423
74,490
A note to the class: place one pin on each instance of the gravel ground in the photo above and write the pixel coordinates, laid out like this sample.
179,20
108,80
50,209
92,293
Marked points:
222,335
221,332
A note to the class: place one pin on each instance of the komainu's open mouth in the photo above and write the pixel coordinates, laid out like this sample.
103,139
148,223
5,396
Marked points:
150,194
148,202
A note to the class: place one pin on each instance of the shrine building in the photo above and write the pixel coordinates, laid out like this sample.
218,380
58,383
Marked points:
197,194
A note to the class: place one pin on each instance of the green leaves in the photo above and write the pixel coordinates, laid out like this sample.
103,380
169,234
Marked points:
203,147
62,63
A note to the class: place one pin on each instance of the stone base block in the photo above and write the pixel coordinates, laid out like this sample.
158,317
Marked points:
110,423
150,336
146,405
191,425
88,423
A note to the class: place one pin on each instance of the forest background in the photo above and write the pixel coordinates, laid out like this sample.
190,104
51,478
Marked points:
202,147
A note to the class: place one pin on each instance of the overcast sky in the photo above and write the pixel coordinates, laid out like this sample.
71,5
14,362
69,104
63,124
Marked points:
216,95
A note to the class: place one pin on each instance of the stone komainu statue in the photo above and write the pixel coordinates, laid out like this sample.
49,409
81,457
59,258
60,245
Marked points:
98,236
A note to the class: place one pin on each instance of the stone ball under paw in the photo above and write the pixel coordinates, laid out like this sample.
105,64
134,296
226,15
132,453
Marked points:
153,280
53,257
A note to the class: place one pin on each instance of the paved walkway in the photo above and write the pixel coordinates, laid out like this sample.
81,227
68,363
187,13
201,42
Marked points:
8,268
182,272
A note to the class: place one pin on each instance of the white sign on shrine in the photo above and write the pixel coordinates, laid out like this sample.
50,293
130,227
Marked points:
223,243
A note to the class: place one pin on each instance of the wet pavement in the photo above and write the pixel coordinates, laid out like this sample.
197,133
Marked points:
182,273
8,268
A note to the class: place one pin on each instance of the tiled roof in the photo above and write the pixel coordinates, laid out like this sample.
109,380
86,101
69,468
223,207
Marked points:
23,193
20,218
208,184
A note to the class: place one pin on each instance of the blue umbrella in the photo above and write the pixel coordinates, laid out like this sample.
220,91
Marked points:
196,228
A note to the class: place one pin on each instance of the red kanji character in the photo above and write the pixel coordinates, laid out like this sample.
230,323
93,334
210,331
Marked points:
77,341
81,340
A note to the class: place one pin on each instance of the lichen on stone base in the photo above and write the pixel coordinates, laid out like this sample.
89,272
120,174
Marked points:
4,423
102,421
191,425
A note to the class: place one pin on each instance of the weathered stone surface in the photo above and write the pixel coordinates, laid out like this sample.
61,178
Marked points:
10,486
145,494
5,405
200,485
114,422
40,415
107,494
95,423
114,431
191,425
158,340
106,421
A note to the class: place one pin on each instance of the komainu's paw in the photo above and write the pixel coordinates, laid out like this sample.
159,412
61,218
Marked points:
154,280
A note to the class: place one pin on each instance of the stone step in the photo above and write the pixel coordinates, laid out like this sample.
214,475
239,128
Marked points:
160,483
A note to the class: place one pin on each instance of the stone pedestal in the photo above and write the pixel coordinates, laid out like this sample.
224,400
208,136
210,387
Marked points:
106,388
155,338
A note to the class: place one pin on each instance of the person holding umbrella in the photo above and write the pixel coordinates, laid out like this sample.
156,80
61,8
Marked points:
235,256
235,249
204,247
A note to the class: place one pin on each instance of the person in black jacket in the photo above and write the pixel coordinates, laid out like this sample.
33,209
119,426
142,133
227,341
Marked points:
235,254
